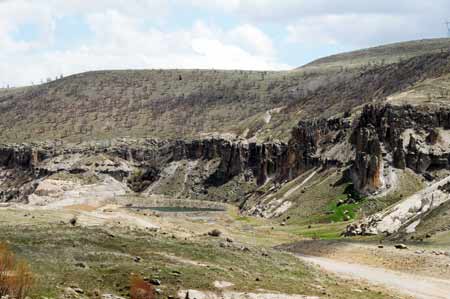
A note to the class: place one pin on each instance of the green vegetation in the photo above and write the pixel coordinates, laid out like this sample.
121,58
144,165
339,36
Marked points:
312,202
344,212
96,259
325,231
345,206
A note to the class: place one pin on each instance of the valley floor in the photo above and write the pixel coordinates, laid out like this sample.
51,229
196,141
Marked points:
109,242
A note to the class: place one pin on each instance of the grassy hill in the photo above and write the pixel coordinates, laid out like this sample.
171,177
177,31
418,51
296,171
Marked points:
197,103
158,103
382,55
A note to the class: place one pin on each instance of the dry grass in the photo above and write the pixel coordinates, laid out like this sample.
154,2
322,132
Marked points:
16,278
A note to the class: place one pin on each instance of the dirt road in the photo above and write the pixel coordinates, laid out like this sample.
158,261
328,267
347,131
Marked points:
420,287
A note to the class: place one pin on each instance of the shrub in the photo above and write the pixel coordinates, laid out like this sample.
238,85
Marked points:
73,221
140,289
215,233
16,278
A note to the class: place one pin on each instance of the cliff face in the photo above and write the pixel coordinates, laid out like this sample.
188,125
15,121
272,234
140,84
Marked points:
17,173
368,145
263,160
417,138
141,163
368,165
401,137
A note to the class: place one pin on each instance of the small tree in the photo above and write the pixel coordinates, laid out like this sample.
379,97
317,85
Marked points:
140,289
16,278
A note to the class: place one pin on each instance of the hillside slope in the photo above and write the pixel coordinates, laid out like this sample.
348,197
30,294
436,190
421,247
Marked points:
164,103
198,103
382,55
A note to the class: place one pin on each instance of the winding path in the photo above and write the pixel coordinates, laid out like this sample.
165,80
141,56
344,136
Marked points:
419,287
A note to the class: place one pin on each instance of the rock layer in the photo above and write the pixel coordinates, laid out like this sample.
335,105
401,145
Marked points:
140,162
399,137
380,138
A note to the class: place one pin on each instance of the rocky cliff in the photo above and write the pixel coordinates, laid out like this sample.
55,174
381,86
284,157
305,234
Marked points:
401,137
141,163
416,138
368,145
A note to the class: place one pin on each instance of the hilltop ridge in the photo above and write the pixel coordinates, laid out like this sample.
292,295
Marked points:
199,103
380,55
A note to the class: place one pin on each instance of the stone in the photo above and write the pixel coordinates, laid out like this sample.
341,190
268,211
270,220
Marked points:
81,265
401,246
155,282
111,296
79,290
137,259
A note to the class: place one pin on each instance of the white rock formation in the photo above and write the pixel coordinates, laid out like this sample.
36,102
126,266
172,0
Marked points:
409,212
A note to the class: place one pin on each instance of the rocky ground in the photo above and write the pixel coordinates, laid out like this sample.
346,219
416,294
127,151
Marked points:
94,256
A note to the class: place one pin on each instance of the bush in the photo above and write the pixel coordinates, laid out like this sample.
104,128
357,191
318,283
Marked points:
73,221
215,233
16,278
140,289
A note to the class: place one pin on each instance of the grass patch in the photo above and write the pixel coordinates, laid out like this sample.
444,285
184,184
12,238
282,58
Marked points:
110,261
345,212
341,209
56,251
325,231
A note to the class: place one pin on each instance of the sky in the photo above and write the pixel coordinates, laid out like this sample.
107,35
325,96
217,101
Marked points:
42,39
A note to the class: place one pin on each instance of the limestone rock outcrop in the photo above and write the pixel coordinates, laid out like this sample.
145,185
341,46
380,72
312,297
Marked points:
369,145
140,163
400,137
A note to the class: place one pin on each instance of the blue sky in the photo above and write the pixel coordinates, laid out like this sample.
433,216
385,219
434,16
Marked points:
42,39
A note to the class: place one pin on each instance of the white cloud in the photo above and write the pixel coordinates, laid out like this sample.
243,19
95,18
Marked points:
122,41
225,5
43,15
130,33
253,38
16,13
349,29
288,10
349,23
